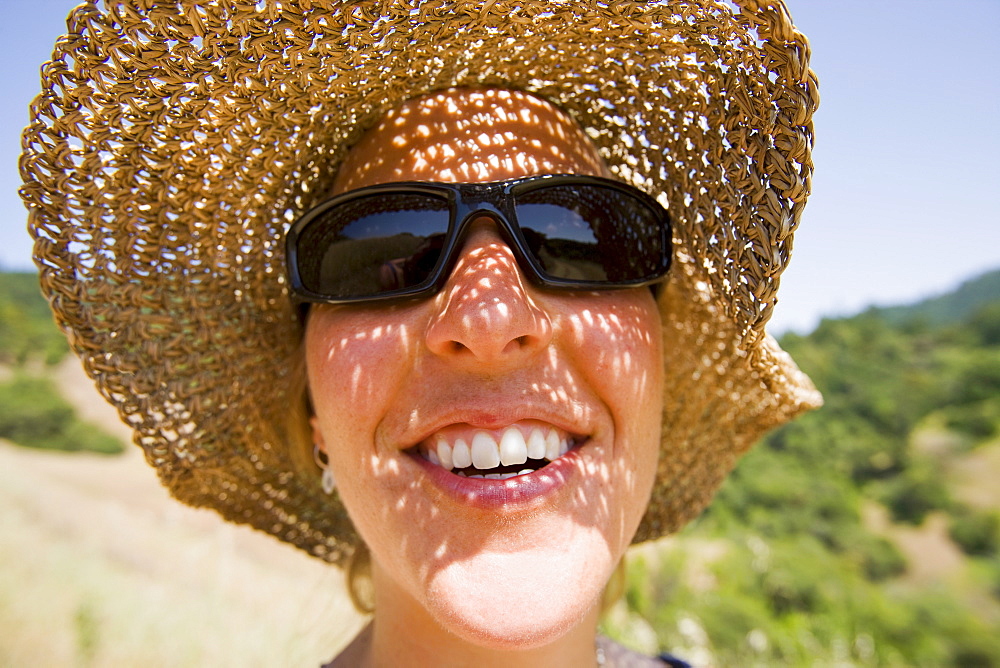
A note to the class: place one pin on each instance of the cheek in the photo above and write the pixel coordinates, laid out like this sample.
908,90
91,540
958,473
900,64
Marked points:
618,346
354,365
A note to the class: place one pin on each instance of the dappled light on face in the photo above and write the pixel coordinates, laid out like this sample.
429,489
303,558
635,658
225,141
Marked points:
349,354
596,377
615,338
484,135
398,392
623,336
485,310
490,351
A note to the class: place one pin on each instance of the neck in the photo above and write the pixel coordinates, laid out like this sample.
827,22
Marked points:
402,630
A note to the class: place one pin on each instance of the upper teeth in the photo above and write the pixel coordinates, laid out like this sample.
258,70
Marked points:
485,452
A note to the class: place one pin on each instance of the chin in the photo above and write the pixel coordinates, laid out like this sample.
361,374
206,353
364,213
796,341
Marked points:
517,601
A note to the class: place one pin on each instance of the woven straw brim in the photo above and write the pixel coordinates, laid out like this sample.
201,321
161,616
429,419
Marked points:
173,142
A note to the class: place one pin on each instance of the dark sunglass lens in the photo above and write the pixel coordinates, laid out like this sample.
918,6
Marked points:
376,244
594,233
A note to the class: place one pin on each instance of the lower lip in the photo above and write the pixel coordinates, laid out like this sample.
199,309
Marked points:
522,491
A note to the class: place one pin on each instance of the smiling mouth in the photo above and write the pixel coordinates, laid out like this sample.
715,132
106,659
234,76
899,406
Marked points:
516,450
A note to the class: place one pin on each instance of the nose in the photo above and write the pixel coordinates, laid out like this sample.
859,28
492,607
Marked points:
485,314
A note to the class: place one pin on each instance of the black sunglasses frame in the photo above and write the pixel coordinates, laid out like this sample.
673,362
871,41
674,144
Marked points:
468,202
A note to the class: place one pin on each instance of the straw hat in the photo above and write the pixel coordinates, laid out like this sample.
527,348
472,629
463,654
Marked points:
172,144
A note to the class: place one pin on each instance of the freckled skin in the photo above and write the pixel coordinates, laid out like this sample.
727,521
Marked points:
455,583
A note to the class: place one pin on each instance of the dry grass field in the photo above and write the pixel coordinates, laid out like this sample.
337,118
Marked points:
99,567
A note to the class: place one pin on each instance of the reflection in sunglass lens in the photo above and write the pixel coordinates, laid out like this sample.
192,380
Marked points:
591,233
390,241
373,245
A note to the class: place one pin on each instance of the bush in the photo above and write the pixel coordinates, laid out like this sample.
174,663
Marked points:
26,326
978,420
980,379
918,490
880,558
33,414
986,324
993,578
977,533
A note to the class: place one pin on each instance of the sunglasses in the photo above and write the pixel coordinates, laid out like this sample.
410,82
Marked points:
401,240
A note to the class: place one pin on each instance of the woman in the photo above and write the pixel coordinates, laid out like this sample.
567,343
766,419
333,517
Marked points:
484,365
171,150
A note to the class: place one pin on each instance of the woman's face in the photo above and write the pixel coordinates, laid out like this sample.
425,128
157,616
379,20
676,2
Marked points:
514,562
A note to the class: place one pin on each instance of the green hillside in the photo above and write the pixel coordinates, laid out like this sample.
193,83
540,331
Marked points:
26,326
949,308
32,411
865,533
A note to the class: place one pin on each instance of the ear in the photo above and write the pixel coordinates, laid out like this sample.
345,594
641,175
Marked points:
317,433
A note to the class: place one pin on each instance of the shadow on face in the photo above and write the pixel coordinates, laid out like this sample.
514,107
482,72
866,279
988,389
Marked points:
469,136
488,352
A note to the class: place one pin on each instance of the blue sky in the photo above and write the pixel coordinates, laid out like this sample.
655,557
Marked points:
907,184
